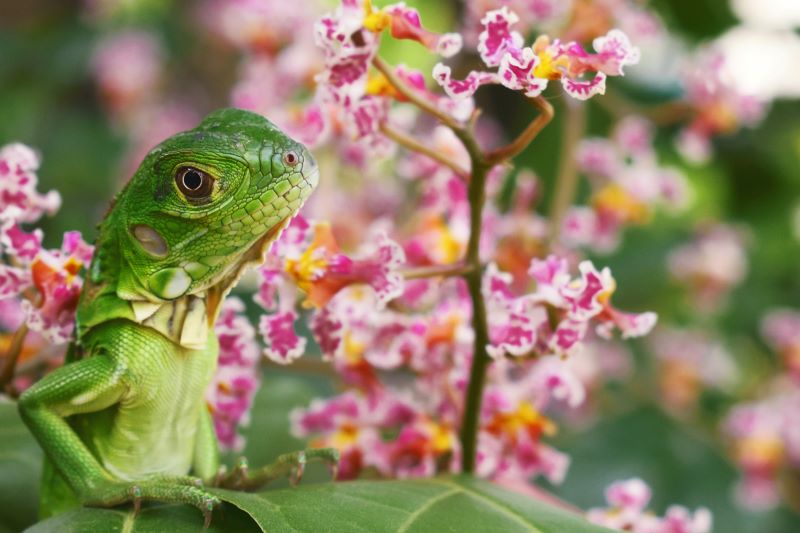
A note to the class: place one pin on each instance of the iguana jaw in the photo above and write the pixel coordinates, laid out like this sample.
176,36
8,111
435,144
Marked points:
253,257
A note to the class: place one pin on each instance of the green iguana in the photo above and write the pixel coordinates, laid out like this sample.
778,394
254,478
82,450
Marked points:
125,419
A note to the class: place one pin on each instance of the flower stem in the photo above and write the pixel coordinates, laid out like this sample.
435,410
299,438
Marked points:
436,271
471,269
528,134
412,144
12,356
567,179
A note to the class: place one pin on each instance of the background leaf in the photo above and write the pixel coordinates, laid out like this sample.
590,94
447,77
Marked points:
20,470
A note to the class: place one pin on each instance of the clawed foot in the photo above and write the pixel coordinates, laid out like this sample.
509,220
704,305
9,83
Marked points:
165,489
291,465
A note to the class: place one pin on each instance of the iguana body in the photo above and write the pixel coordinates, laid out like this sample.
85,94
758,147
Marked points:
125,419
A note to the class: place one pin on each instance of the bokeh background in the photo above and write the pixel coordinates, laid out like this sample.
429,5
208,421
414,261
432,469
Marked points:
50,99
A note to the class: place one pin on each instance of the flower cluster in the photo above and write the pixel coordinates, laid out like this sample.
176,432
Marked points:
764,443
689,362
129,69
45,283
425,334
711,265
230,393
349,39
764,438
556,316
628,184
781,330
627,511
581,21
717,105
529,68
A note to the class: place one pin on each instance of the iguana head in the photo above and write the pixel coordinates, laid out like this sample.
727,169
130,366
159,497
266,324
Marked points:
207,202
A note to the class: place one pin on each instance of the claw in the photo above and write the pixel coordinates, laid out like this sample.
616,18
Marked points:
240,471
136,495
298,470
208,511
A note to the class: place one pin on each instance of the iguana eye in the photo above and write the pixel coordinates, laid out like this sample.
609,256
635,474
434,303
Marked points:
193,183
291,158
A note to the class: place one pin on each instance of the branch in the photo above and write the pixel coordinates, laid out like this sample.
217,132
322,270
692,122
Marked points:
661,114
436,271
567,179
528,134
415,146
12,356
413,96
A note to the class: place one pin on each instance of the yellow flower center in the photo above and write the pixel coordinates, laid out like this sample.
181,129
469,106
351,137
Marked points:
375,20
615,199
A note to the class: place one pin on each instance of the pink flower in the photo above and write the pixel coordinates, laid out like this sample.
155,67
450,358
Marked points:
260,26
528,69
521,325
406,24
627,511
235,383
349,38
19,200
13,281
718,106
465,88
628,185
56,276
127,67
710,265
322,270
282,343
497,38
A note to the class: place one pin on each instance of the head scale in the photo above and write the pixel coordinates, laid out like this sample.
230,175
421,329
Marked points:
206,202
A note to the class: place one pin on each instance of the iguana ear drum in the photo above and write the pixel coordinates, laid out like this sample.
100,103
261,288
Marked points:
153,243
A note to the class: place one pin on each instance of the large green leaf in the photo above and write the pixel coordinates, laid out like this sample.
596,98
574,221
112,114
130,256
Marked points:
446,504
461,504
20,469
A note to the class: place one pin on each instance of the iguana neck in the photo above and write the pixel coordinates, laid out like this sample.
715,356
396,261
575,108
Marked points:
186,320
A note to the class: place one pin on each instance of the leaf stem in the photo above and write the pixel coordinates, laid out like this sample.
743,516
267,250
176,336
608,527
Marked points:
567,179
412,144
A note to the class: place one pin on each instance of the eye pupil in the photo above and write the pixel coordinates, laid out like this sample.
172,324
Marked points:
194,183
192,180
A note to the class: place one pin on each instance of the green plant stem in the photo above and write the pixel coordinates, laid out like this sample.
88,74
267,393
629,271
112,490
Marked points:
471,268
567,179
12,357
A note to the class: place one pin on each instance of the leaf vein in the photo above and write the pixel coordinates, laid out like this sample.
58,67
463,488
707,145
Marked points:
491,503
430,503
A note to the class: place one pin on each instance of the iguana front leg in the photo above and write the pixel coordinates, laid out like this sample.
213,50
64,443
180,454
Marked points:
291,465
86,386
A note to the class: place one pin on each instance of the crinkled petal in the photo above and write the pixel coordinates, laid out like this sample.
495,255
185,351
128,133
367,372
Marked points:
497,37
282,344
583,90
459,89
